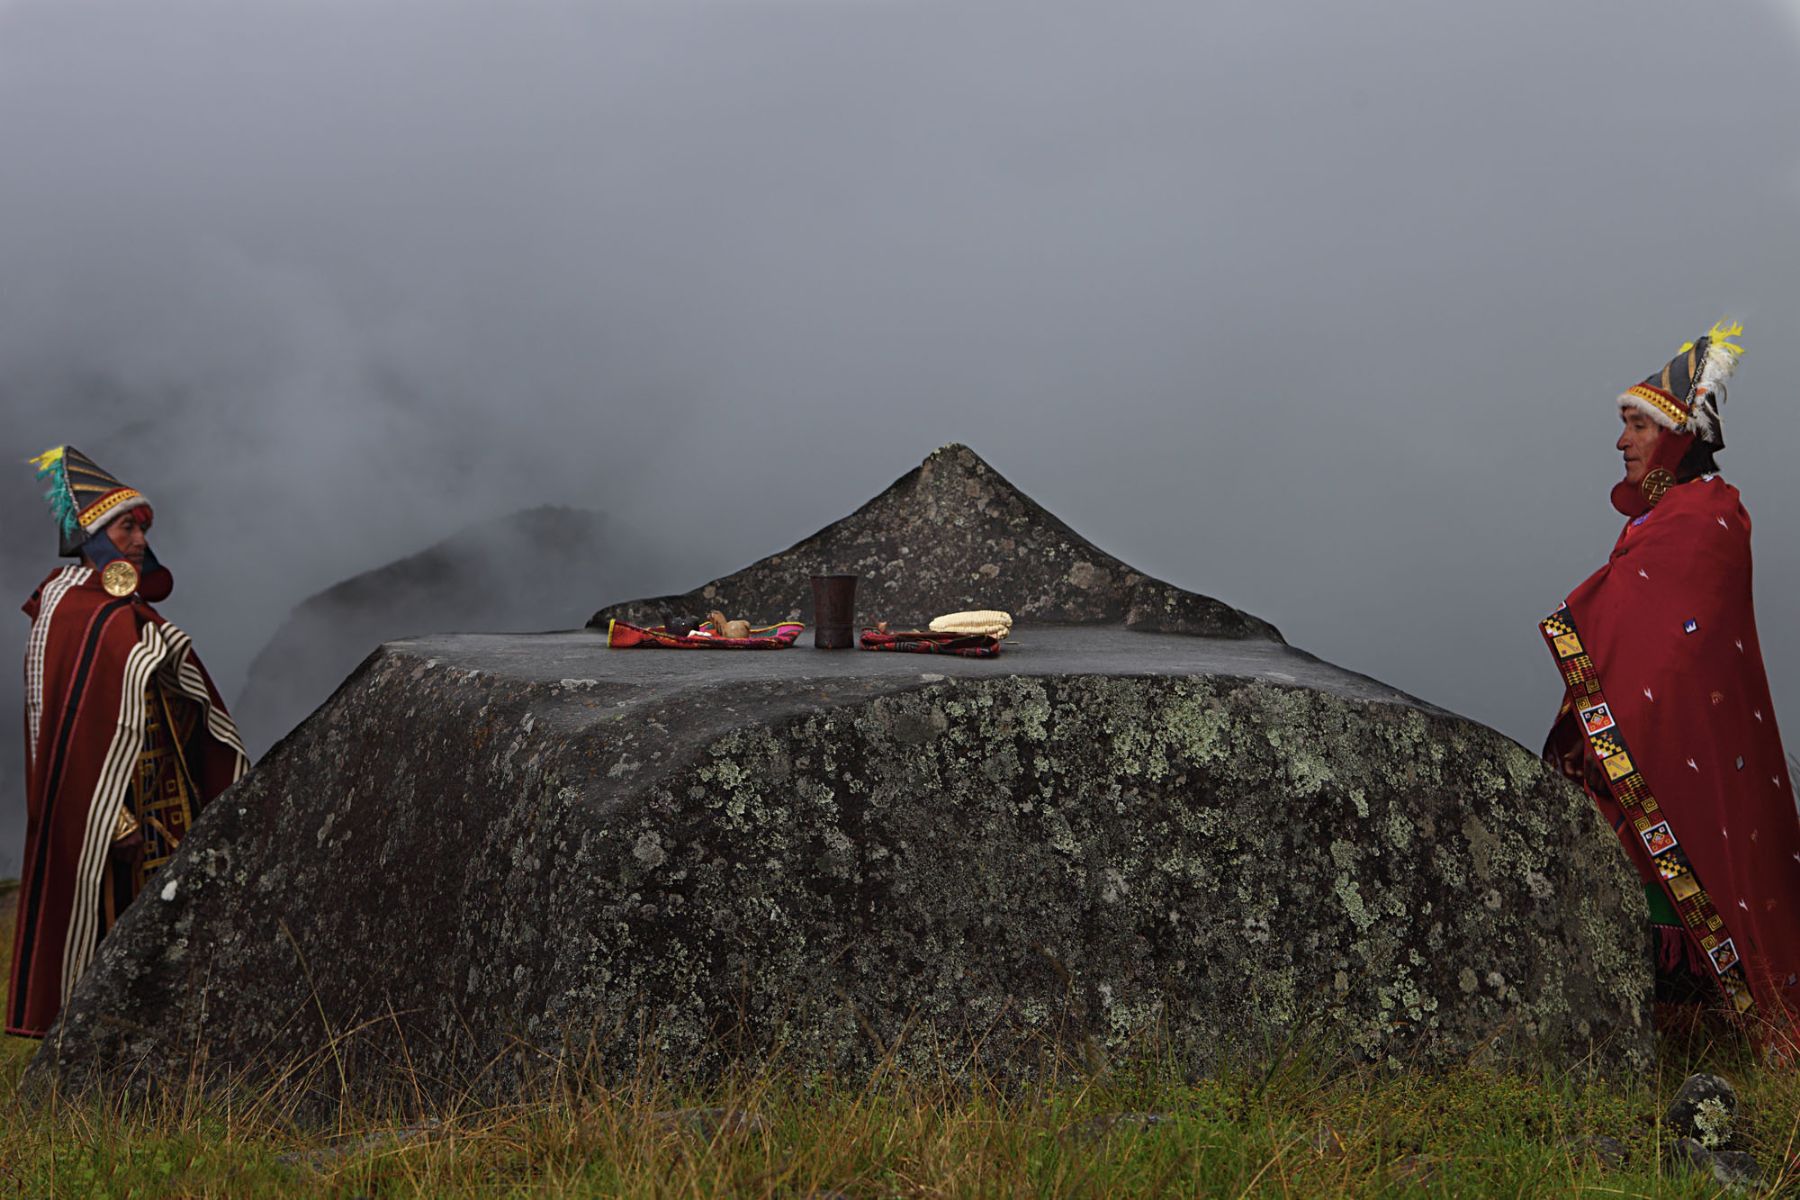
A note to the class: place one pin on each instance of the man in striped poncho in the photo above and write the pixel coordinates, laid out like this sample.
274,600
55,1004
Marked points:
125,736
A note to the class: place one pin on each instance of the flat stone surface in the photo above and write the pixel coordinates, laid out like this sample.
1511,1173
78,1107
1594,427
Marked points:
1042,650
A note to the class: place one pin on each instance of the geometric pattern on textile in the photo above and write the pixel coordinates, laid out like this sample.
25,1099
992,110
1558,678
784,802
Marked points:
1671,390
97,491
620,636
161,798
1675,872
963,645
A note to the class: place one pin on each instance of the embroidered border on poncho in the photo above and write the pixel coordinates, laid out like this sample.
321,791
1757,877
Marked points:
1648,819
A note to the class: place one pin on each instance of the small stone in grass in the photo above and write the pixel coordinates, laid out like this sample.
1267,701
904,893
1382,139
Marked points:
1703,1109
1734,1170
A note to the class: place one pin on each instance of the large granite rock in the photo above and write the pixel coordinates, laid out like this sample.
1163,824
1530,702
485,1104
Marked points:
491,858
953,534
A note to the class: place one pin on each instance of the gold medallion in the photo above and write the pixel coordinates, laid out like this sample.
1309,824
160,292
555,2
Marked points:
119,578
1657,482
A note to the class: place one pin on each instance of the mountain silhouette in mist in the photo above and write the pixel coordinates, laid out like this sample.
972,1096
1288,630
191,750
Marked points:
536,569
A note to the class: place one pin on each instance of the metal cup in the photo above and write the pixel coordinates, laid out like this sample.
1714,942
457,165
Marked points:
834,611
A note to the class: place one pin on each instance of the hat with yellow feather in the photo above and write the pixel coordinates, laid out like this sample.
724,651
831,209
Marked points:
1686,395
83,496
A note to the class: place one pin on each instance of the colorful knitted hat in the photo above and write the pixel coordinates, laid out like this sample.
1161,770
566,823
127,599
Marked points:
1685,395
83,497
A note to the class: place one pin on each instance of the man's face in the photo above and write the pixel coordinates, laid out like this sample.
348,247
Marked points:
1636,441
127,536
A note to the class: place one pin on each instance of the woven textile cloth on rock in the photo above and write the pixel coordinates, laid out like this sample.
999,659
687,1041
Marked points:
620,636
963,645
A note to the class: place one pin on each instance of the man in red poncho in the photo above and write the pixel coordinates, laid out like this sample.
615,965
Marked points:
125,736
1666,719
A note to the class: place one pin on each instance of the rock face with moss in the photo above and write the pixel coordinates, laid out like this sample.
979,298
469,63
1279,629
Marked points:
953,534
493,858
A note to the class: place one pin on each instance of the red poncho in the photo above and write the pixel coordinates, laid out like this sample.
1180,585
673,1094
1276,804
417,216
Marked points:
91,665
1667,721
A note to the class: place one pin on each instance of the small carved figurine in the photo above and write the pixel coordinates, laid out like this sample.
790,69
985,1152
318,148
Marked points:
728,629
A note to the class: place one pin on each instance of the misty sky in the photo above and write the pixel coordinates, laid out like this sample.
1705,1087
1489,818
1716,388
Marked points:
1319,309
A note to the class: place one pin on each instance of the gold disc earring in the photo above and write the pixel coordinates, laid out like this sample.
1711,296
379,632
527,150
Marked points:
119,578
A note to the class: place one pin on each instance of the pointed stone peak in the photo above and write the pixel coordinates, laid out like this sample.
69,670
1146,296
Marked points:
954,534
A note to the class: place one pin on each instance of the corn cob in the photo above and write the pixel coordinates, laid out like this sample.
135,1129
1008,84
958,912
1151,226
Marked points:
987,621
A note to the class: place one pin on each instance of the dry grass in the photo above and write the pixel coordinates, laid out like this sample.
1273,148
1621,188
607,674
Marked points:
1292,1131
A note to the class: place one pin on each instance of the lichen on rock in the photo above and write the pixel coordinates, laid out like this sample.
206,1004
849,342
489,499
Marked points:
1150,826
830,868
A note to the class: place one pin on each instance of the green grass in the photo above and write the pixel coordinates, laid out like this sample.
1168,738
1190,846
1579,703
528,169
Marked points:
1290,1131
